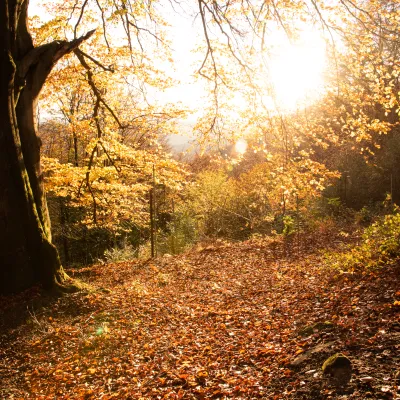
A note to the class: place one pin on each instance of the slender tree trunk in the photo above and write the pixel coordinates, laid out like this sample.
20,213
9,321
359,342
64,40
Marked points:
76,161
64,219
27,256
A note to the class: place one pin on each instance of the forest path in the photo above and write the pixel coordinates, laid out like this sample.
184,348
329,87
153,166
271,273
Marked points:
228,321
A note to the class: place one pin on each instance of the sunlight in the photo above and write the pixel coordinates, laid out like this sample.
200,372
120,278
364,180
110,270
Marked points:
296,71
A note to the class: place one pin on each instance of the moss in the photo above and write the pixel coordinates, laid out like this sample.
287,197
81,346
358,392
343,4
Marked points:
319,326
337,361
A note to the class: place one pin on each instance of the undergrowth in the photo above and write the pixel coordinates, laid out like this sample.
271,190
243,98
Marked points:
379,246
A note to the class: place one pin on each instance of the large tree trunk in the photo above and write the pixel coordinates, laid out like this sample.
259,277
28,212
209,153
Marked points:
27,256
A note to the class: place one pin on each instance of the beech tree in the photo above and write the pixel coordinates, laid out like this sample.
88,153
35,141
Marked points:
27,254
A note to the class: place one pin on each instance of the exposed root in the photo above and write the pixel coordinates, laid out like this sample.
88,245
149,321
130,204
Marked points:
69,285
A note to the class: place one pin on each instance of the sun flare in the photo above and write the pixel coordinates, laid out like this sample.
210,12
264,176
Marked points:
296,71
241,146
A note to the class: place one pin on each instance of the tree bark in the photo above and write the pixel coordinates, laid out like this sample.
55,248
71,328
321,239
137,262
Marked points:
27,256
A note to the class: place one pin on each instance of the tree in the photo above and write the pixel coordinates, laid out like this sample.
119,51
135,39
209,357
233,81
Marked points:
27,254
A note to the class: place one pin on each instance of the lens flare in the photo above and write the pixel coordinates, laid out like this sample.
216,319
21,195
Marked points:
241,146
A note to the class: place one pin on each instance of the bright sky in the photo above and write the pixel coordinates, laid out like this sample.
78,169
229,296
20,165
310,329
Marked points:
296,70
184,36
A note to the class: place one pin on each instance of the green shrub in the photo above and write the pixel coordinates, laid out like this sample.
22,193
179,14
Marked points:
180,235
380,245
289,227
216,208
117,254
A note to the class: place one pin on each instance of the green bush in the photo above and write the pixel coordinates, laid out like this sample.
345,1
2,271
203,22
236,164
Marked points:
289,227
216,208
380,245
180,235
116,254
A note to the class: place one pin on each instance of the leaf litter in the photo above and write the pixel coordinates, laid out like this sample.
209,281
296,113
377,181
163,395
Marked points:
233,321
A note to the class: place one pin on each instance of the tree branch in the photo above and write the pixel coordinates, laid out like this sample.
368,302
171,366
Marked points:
94,88
94,61
41,60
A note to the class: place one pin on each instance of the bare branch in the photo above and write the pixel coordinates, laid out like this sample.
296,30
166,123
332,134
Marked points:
118,169
99,64
138,28
104,22
94,88
209,47
218,19
281,21
80,17
52,51
42,59
325,24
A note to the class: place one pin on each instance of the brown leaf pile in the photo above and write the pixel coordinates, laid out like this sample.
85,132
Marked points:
224,322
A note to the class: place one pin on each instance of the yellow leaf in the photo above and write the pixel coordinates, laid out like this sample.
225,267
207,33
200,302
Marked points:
202,374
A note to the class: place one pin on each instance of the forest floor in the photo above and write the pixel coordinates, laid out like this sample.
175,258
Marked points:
227,321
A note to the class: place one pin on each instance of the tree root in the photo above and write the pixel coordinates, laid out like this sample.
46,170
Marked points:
68,286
